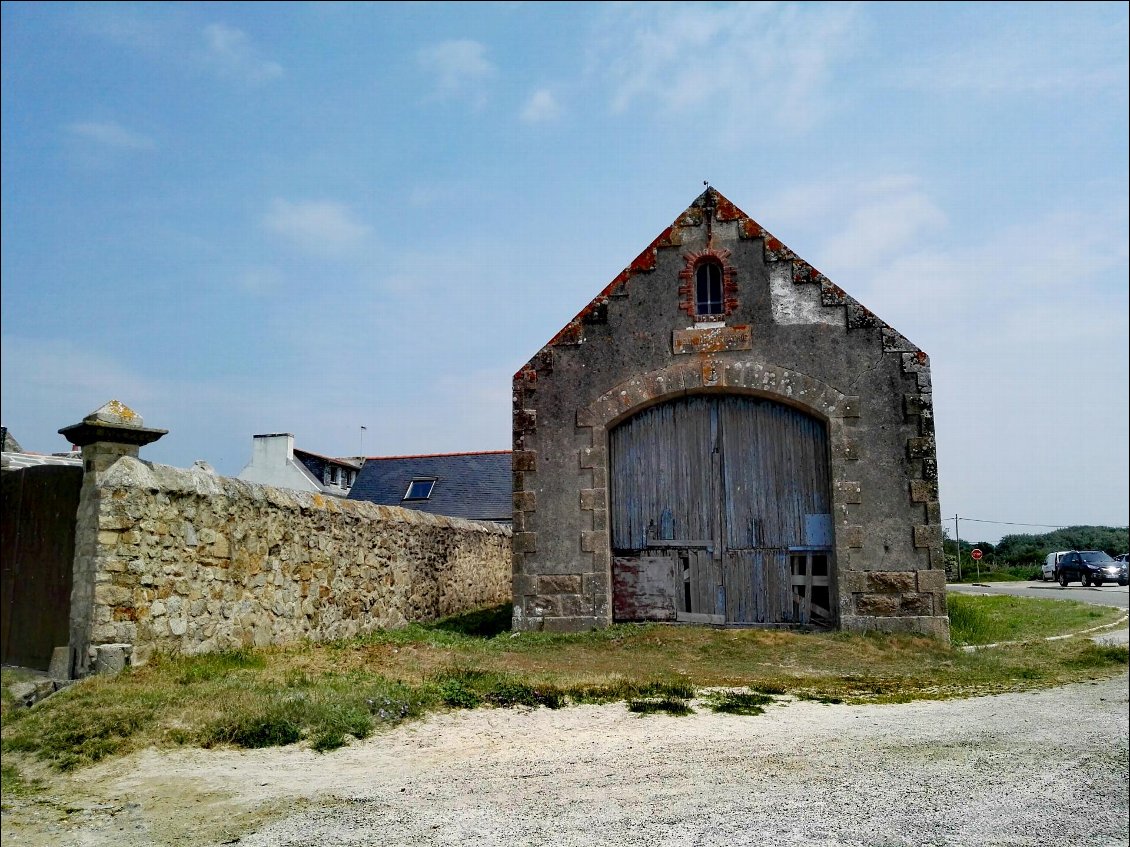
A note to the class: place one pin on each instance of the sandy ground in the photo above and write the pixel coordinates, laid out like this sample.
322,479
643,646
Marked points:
1044,767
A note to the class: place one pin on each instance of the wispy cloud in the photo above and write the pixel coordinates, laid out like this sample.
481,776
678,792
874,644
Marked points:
1047,56
542,107
459,69
260,280
749,61
120,26
110,135
230,54
889,215
321,226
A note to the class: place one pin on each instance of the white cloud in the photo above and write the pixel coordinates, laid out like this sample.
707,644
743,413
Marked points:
541,107
319,226
110,135
737,65
230,54
460,69
148,33
1047,55
259,281
891,215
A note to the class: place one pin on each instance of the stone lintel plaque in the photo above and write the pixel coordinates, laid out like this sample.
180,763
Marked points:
715,339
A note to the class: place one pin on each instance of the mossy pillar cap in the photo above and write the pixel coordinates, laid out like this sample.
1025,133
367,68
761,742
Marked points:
116,423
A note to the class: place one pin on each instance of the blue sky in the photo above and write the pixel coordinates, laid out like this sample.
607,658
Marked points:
316,217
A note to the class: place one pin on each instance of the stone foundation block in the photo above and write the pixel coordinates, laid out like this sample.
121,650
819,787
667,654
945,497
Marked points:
110,658
916,604
555,605
585,623
891,582
61,664
933,581
877,604
559,584
934,626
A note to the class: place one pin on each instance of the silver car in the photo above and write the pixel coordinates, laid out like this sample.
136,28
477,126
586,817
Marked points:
1050,569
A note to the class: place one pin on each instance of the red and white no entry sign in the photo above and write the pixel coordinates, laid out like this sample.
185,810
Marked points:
975,554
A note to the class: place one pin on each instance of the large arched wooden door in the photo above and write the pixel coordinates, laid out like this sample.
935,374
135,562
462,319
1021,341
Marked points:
720,513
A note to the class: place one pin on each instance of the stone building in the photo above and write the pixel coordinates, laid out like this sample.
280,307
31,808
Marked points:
276,461
724,436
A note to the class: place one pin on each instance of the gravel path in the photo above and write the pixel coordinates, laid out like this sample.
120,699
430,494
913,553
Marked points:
1039,768
1024,769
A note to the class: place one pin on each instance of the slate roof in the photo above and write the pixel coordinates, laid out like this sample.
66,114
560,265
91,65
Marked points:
476,486
18,461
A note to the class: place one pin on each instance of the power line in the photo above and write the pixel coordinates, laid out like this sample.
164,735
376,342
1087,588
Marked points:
1013,523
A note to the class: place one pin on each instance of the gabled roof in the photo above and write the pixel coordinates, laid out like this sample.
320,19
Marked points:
712,206
351,463
476,486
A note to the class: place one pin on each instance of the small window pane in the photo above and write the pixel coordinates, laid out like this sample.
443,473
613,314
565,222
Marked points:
420,489
708,289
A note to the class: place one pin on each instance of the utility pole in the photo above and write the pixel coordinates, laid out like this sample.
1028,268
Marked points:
957,535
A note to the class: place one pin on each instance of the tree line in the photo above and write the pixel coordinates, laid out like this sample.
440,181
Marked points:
1024,549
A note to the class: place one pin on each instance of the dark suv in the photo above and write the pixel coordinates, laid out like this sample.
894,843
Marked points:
1091,567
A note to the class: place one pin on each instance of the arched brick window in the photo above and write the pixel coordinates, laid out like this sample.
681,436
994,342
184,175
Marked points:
708,289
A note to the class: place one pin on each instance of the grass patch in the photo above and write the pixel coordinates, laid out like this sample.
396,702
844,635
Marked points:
9,708
998,618
213,666
328,694
660,705
738,702
12,784
87,727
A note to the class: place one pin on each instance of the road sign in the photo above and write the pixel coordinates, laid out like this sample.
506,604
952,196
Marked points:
975,554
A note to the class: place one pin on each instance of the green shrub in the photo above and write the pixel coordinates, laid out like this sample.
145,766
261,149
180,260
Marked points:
272,725
667,705
738,702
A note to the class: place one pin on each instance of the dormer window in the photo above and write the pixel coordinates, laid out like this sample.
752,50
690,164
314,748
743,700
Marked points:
420,489
708,289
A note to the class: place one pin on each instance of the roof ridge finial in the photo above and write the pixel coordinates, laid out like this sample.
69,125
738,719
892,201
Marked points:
709,213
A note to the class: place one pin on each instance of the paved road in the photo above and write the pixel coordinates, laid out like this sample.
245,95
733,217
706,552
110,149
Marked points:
1108,595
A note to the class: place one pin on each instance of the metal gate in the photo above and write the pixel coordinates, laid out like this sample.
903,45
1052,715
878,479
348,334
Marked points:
720,513
37,554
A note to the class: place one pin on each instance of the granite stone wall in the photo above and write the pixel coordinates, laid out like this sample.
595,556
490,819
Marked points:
187,561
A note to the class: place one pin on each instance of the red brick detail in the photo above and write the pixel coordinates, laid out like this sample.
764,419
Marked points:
729,282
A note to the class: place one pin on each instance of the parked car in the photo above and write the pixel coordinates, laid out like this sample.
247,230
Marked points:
1091,567
1122,557
1050,569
